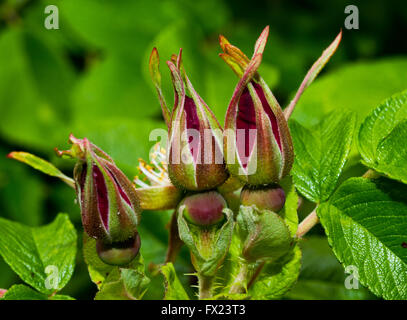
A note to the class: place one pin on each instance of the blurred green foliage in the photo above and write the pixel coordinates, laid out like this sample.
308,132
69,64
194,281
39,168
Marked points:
90,78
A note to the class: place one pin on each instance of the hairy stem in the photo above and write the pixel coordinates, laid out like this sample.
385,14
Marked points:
255,274
205,287
307,224
238,285
371,174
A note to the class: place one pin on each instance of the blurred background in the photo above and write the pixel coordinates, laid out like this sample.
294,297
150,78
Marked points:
91,78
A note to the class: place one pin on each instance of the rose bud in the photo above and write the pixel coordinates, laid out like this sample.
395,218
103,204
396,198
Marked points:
109,206
270,198
257,138
204,209
119,253
195,158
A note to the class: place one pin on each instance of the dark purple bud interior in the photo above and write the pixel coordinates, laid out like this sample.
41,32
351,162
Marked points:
204,208
121,191
246,119
82,180
192,122
101,194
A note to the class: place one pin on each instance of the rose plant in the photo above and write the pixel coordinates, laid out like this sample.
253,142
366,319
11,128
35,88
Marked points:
235,192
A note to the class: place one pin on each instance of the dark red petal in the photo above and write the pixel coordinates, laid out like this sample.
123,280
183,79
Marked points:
246,119
82,180
192,122
121,191
101,194
269,112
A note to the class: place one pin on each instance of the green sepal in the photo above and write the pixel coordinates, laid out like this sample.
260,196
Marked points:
173,287
41,165
159,197
115,283
264,234
208,245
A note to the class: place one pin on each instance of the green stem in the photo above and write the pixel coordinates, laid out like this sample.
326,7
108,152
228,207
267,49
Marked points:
371,174
239,284
256,274
205,287
307,224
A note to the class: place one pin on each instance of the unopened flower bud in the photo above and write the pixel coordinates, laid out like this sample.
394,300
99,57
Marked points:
261,146
195,157
108,203
204,209
270,198
119,253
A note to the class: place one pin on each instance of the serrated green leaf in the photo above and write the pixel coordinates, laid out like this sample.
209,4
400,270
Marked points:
173,287
277,277
382,137
29,251
366,225
322,276
22,292
392,154
321,154
41,165
289,212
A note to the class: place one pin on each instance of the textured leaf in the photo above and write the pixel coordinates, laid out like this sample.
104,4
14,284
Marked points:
22,292
29,251
278,277
321,154
173,287
366,225
382,137
41,165
289,212
322,276
392,154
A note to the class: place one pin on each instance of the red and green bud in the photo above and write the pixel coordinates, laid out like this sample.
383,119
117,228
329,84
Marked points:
267,198
119,253
204,209
109,206
195,157
257,144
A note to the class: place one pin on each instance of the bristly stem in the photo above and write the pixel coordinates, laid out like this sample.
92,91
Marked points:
239,284
371,174
306,225
256,274
205,287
